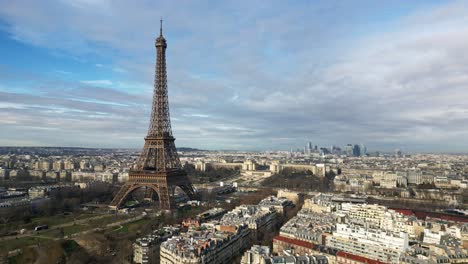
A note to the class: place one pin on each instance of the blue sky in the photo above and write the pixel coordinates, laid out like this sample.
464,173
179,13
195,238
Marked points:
242,74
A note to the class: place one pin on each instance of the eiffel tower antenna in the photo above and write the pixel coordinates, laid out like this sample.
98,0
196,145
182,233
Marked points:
160,28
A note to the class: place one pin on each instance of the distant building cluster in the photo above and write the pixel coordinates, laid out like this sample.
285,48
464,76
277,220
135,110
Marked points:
59,166
250,168
346,232
350,150
34,196
330,227
42,191
424,177
441,178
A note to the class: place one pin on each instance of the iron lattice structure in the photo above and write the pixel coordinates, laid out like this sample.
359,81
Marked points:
158,168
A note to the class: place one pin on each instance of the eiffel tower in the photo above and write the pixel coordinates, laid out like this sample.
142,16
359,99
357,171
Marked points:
158,168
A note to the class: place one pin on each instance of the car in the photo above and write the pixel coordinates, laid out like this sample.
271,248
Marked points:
41,227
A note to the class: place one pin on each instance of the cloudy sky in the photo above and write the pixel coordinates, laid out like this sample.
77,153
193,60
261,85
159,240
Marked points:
242,74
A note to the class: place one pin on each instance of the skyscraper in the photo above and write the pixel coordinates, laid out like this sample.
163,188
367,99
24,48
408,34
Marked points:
349,150
356,151
363,149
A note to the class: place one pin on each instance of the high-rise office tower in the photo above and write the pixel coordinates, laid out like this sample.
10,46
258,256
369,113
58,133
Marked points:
356,151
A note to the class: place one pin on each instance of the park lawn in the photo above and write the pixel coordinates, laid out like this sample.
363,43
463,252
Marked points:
68,230
134,226
44,220
59,219
12,244
101,222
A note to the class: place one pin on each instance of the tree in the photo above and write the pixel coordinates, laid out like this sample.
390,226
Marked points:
62,232
297,180
210,175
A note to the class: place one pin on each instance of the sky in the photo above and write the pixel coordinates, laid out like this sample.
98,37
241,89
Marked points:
242,75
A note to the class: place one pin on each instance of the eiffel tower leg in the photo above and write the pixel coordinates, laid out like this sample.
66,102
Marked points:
120,196
165,200
149,194
188,189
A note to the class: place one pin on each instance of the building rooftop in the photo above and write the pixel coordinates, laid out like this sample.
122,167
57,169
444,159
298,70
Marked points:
308,223
195,243
246,214
157,236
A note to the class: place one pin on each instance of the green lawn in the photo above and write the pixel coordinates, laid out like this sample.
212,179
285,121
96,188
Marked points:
107,220
68,230
44,220
9,245
53,232
134,226
59,219
72,229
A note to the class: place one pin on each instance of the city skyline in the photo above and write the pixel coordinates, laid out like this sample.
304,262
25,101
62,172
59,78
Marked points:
389,75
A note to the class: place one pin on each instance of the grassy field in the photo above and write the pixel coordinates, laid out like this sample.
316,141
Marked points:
54,235
6,246
51,252
134,226
108,219
45,220
57,219
68,230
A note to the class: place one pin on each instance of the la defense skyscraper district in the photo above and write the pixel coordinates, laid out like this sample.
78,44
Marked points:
158,168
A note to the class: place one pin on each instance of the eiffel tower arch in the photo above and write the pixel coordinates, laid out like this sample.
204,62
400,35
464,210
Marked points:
158,168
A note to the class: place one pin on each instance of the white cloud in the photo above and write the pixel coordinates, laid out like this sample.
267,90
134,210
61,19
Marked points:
63,72
98,82
119,69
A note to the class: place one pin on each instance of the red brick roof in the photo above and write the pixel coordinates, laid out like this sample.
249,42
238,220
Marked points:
294,241
339,254
423,215
358,258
